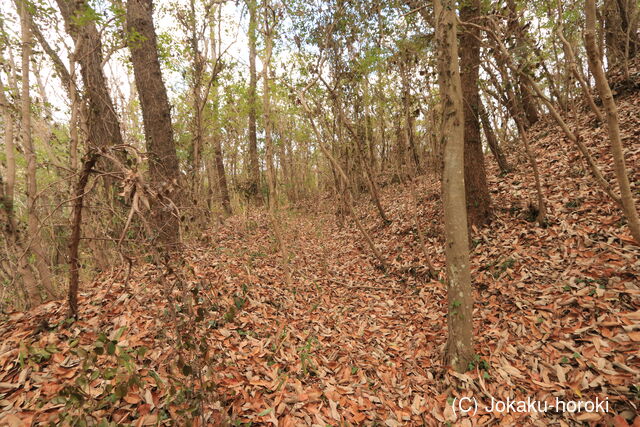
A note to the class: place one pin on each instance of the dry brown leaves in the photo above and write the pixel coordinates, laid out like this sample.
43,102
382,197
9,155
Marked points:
556,314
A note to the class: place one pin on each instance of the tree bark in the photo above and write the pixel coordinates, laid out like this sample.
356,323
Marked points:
34,242
7,218
621,30
528,100
221,175
613,123
459,350
492,140
577,73
269,22
102,120
407,113
475,178
74,240
156,114
254,164
196,148
9,149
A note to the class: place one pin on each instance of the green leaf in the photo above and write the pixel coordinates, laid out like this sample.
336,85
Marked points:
119,333
142,350
265,412
111,347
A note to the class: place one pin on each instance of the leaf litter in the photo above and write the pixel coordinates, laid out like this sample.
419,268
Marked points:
556,315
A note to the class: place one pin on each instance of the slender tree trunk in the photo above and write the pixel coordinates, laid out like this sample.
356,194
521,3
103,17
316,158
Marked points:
408,122
459,350
541,207
254,164
219,159
34,242
9,149
492,141
504,56
519,32
73,121
198,103
613,123
156,114
475,178
221,175
368,128
268,23
7,191
74,240
571,58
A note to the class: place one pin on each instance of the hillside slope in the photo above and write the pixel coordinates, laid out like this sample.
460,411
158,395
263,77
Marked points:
557,315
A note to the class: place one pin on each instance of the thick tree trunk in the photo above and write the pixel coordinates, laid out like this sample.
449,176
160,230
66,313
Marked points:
104,127
156,114
613,124
475,178
459,350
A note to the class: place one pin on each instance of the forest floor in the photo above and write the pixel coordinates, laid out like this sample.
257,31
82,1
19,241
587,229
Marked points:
557,315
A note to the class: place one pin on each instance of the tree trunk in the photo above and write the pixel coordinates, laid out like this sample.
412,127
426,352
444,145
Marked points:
475,178
541,207
613,124
492,141
196,148
104,127
221,175
254,164
156,114
268,23
621,30
519,32
34,242
7,191
459,350
577,73
9,149
219,163
74,240
407,113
